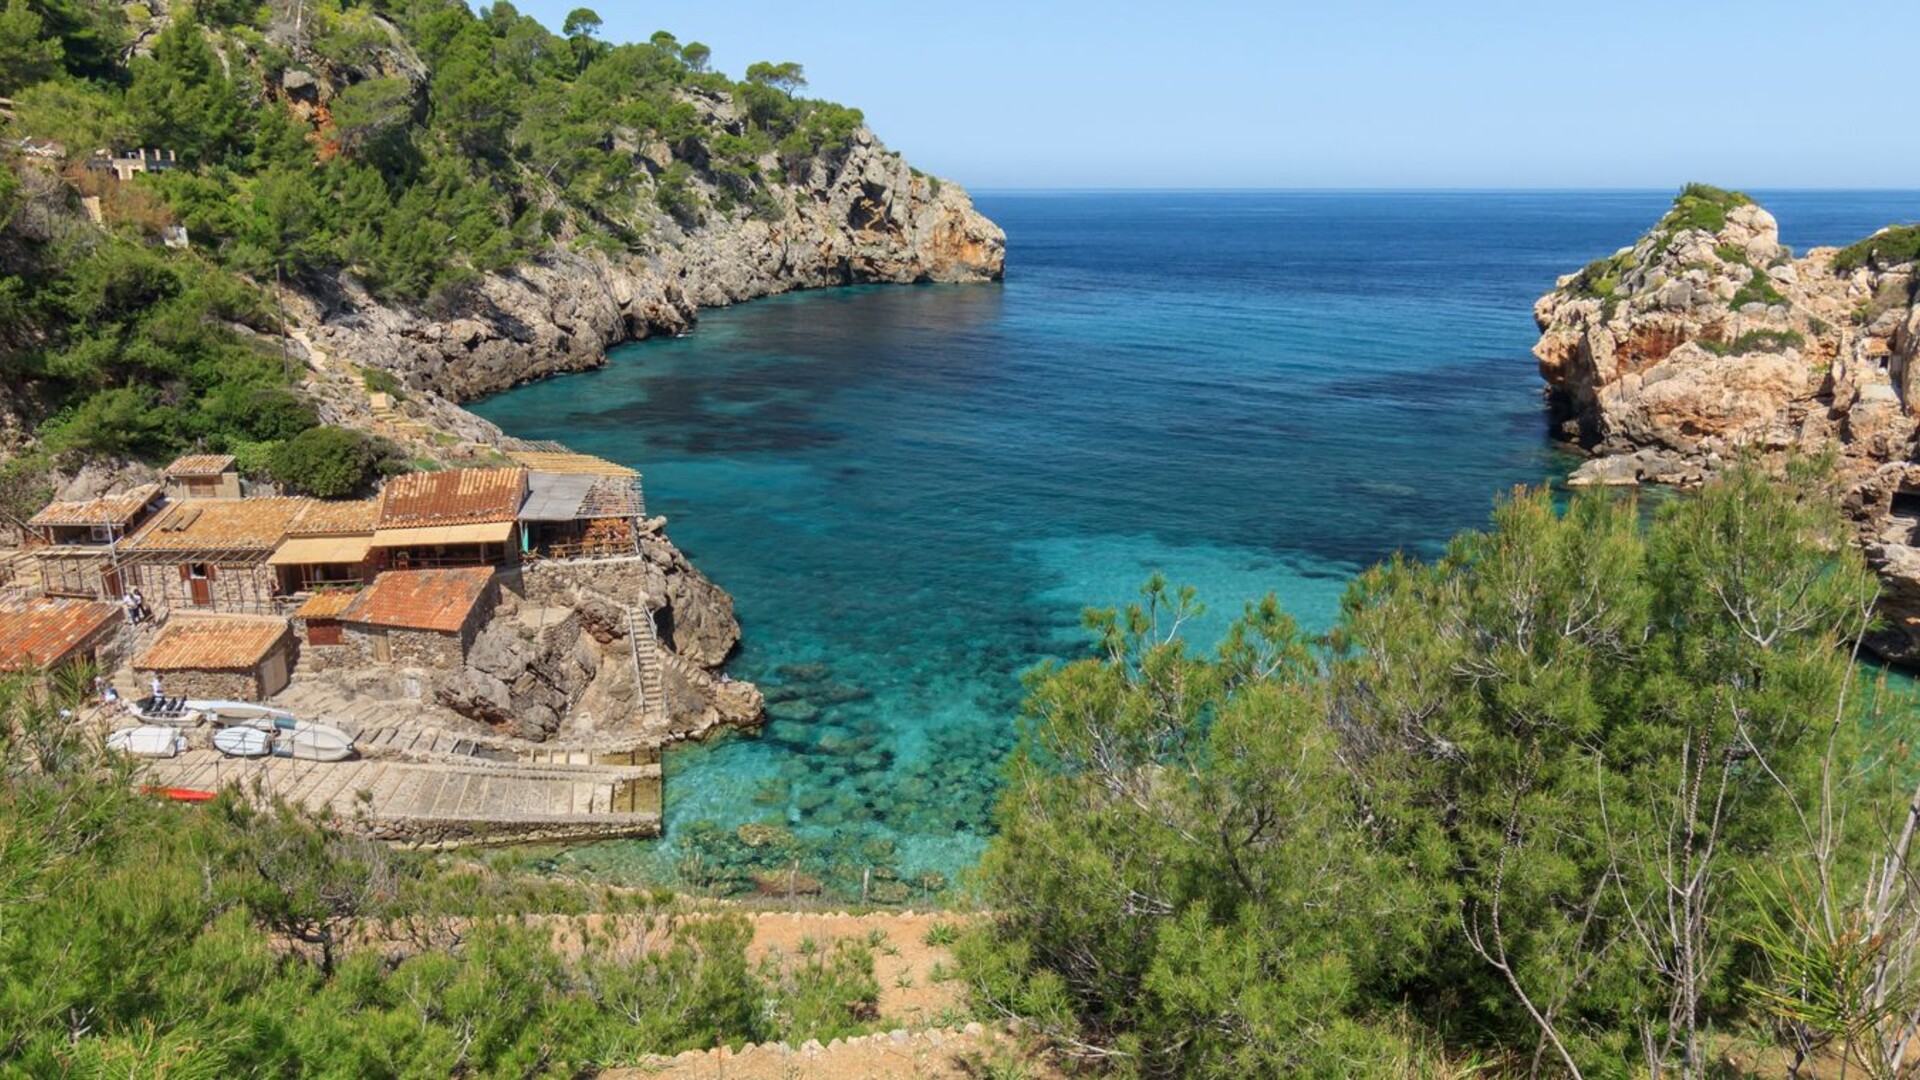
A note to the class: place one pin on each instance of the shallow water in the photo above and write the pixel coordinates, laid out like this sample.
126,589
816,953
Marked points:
912,492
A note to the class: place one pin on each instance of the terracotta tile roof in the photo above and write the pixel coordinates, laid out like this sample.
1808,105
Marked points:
337,517
420,599
452,497
104,510
200,465
41,631
327,604
212,643
220,525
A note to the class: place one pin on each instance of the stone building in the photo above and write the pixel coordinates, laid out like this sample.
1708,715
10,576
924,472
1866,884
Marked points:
75,542
453,518
240,657
46,632
578,506
412,618
211,554
127,164
203,476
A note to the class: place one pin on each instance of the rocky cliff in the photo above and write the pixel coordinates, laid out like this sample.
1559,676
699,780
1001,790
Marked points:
866,218
1708,339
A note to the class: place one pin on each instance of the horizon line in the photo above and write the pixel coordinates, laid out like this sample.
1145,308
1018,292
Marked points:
1410,190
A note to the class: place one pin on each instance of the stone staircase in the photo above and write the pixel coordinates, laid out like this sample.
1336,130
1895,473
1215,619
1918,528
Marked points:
648,665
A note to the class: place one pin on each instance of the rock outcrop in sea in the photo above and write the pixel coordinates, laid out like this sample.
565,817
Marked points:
1708,340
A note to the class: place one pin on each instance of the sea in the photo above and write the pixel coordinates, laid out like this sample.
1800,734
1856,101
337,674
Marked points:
913,493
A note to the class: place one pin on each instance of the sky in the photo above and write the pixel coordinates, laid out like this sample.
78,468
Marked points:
1343,93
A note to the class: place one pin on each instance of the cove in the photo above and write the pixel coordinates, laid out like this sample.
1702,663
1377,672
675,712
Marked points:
911,492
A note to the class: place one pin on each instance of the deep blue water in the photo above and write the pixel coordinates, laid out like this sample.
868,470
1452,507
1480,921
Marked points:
911,493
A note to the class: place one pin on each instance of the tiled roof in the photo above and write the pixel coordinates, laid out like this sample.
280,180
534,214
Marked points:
220,525
420,599
201,465
326,604
212,643
41,631
567,462
337,517
452,497
104,510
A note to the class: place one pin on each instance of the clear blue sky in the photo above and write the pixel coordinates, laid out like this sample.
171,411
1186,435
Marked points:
1344,93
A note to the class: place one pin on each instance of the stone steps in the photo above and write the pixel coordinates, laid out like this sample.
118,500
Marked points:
395,791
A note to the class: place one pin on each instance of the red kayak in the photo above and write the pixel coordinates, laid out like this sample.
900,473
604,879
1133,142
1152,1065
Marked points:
179,794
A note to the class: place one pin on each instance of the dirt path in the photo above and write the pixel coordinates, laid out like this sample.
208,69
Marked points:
925,1030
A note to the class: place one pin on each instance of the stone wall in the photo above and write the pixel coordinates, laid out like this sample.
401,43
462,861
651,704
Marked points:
234,685
442,833
242,589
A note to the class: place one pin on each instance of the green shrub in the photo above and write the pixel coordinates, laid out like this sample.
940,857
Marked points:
1756,341
1701,206
1759,288
1887,247
328,462
382,381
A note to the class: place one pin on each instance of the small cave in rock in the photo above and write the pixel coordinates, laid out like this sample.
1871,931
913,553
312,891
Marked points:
1906,510
870,209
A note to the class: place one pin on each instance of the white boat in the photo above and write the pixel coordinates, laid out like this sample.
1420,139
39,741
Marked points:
171,711
307,741
221,711
243,741
155,742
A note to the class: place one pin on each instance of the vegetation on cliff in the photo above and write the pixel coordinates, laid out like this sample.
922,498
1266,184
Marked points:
1890,246
409,144
1698,207
142,938
1581,796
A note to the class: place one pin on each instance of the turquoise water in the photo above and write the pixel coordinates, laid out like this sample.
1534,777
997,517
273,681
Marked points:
911,493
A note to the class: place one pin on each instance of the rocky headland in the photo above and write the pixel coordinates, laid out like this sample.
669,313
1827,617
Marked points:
1708,340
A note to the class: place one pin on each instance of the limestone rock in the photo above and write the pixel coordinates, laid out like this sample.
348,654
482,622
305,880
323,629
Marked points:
865,217
1652,367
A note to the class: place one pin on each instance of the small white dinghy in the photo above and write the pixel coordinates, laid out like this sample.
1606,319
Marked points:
243,742
306,741
172,711
221,711
154,742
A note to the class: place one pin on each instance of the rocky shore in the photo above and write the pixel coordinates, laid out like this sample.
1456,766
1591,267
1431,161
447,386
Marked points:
867,218
1709,340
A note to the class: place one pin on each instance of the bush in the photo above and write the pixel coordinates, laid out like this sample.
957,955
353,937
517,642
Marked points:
1756,341
1758,289
1702,206
1887,247
328,462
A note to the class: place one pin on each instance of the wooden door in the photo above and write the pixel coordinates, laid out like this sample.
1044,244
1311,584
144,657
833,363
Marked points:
199,583
382,648
110,586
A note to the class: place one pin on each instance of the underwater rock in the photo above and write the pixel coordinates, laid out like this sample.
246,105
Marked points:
802,673
756,835
837,694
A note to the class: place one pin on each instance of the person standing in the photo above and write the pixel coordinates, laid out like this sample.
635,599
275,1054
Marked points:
157,695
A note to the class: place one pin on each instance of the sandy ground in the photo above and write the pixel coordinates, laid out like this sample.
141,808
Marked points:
924,1030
